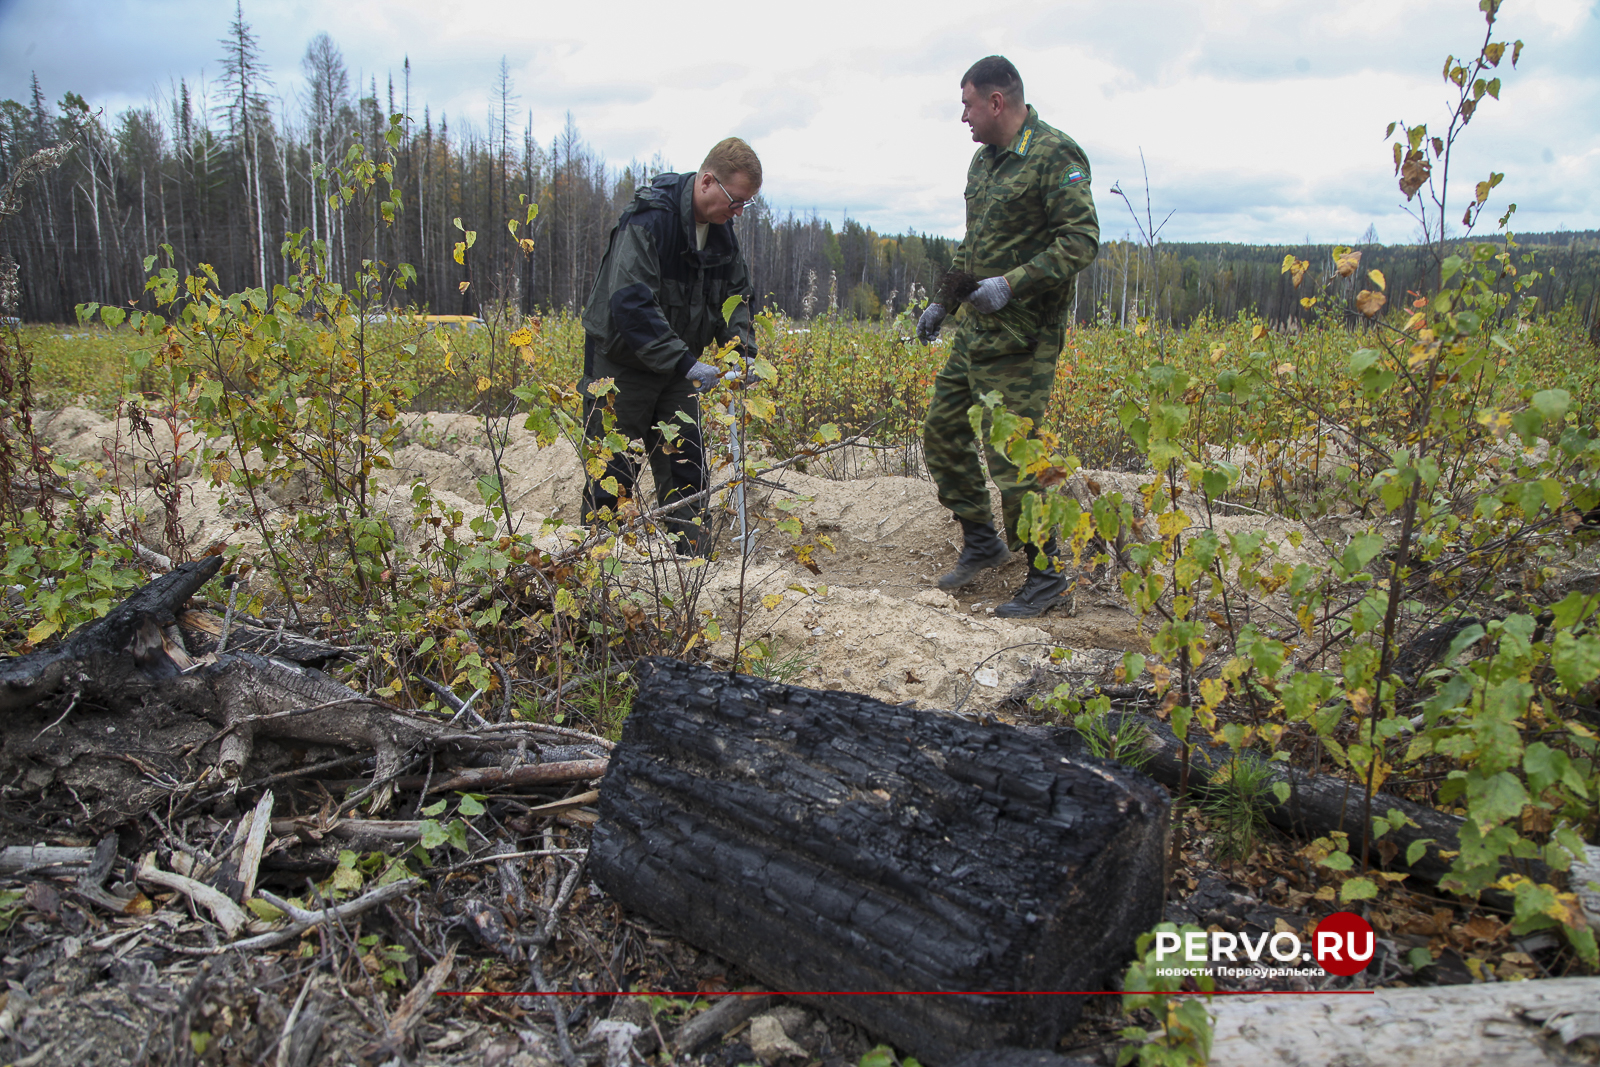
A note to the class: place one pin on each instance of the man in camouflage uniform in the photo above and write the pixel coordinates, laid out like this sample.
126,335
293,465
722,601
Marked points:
657,302
1031,227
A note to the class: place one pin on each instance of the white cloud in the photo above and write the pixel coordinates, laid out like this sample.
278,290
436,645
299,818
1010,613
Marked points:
1260,121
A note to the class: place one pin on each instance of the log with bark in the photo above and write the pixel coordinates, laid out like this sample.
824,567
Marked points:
1317,804
1510,1024
830,843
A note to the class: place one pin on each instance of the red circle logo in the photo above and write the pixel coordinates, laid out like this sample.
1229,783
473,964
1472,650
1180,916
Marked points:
1344,943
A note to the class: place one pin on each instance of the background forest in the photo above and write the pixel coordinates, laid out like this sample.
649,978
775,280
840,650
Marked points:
221,171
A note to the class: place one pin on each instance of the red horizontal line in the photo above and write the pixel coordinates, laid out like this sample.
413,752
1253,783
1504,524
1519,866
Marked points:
925,993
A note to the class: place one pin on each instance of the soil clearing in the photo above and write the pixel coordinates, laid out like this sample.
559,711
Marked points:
870,620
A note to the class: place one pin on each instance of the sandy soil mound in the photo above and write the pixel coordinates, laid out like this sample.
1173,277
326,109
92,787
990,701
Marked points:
870,621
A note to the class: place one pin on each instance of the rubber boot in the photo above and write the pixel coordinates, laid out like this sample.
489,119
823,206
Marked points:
981,549
1041,590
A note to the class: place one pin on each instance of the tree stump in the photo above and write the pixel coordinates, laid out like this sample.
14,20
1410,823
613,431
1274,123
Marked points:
832,844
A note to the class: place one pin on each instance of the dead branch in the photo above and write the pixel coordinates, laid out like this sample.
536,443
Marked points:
229,915
410,1011
529,773
19,859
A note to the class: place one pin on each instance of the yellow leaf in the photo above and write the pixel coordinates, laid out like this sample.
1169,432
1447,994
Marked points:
1308,301
1218,352
522,337
1377,278
527,246
461,252
1416,320
1347,263
771,600
41,631
1172,523
1257,332
463,286
1370,303
483,384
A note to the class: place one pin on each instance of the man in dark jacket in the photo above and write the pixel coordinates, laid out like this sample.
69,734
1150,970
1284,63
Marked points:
656,304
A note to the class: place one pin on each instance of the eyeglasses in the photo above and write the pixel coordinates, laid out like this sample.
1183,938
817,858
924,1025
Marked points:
733,204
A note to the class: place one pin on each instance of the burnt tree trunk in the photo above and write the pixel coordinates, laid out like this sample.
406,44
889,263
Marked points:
830,843
1317,803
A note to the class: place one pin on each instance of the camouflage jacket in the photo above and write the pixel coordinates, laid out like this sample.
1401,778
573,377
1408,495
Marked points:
657,299
1030,218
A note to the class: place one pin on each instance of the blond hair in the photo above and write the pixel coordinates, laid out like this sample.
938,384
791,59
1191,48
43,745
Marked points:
732,156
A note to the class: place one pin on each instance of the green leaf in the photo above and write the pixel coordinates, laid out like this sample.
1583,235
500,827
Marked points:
470,805
1337,861
882,1056
435,809
263,911
1416,850
1493,800
730,305
1419,958
1358,889
1552,403
1132,666
433,835
1360,550
1281,791
1576,659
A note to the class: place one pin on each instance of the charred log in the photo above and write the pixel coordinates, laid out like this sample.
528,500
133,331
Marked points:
829,841
127,641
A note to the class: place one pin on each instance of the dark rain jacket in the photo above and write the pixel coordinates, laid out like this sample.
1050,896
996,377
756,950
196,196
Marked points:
657,299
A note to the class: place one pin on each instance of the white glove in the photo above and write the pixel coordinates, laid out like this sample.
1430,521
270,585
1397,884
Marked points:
928,325
703,375
990,296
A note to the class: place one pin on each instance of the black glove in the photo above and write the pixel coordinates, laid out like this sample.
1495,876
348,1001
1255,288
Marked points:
928,325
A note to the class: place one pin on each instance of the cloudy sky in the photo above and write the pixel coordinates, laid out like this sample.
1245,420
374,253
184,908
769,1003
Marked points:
1260,120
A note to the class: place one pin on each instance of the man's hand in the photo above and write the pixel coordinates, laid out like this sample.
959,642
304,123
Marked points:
703,375
928,325
990,296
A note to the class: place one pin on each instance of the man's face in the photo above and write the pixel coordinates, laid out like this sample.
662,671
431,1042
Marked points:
981,112
714,201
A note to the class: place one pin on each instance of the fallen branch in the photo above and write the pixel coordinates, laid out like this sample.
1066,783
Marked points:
397,1031
19,859
303,920
724,1015
229,915
253,830
529,773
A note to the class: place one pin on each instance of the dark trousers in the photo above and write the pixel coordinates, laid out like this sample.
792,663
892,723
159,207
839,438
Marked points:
643,401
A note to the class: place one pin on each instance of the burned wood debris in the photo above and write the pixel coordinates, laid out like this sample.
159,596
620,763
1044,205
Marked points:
270,851
826,841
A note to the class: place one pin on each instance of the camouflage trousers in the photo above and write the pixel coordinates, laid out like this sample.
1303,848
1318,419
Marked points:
984,361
